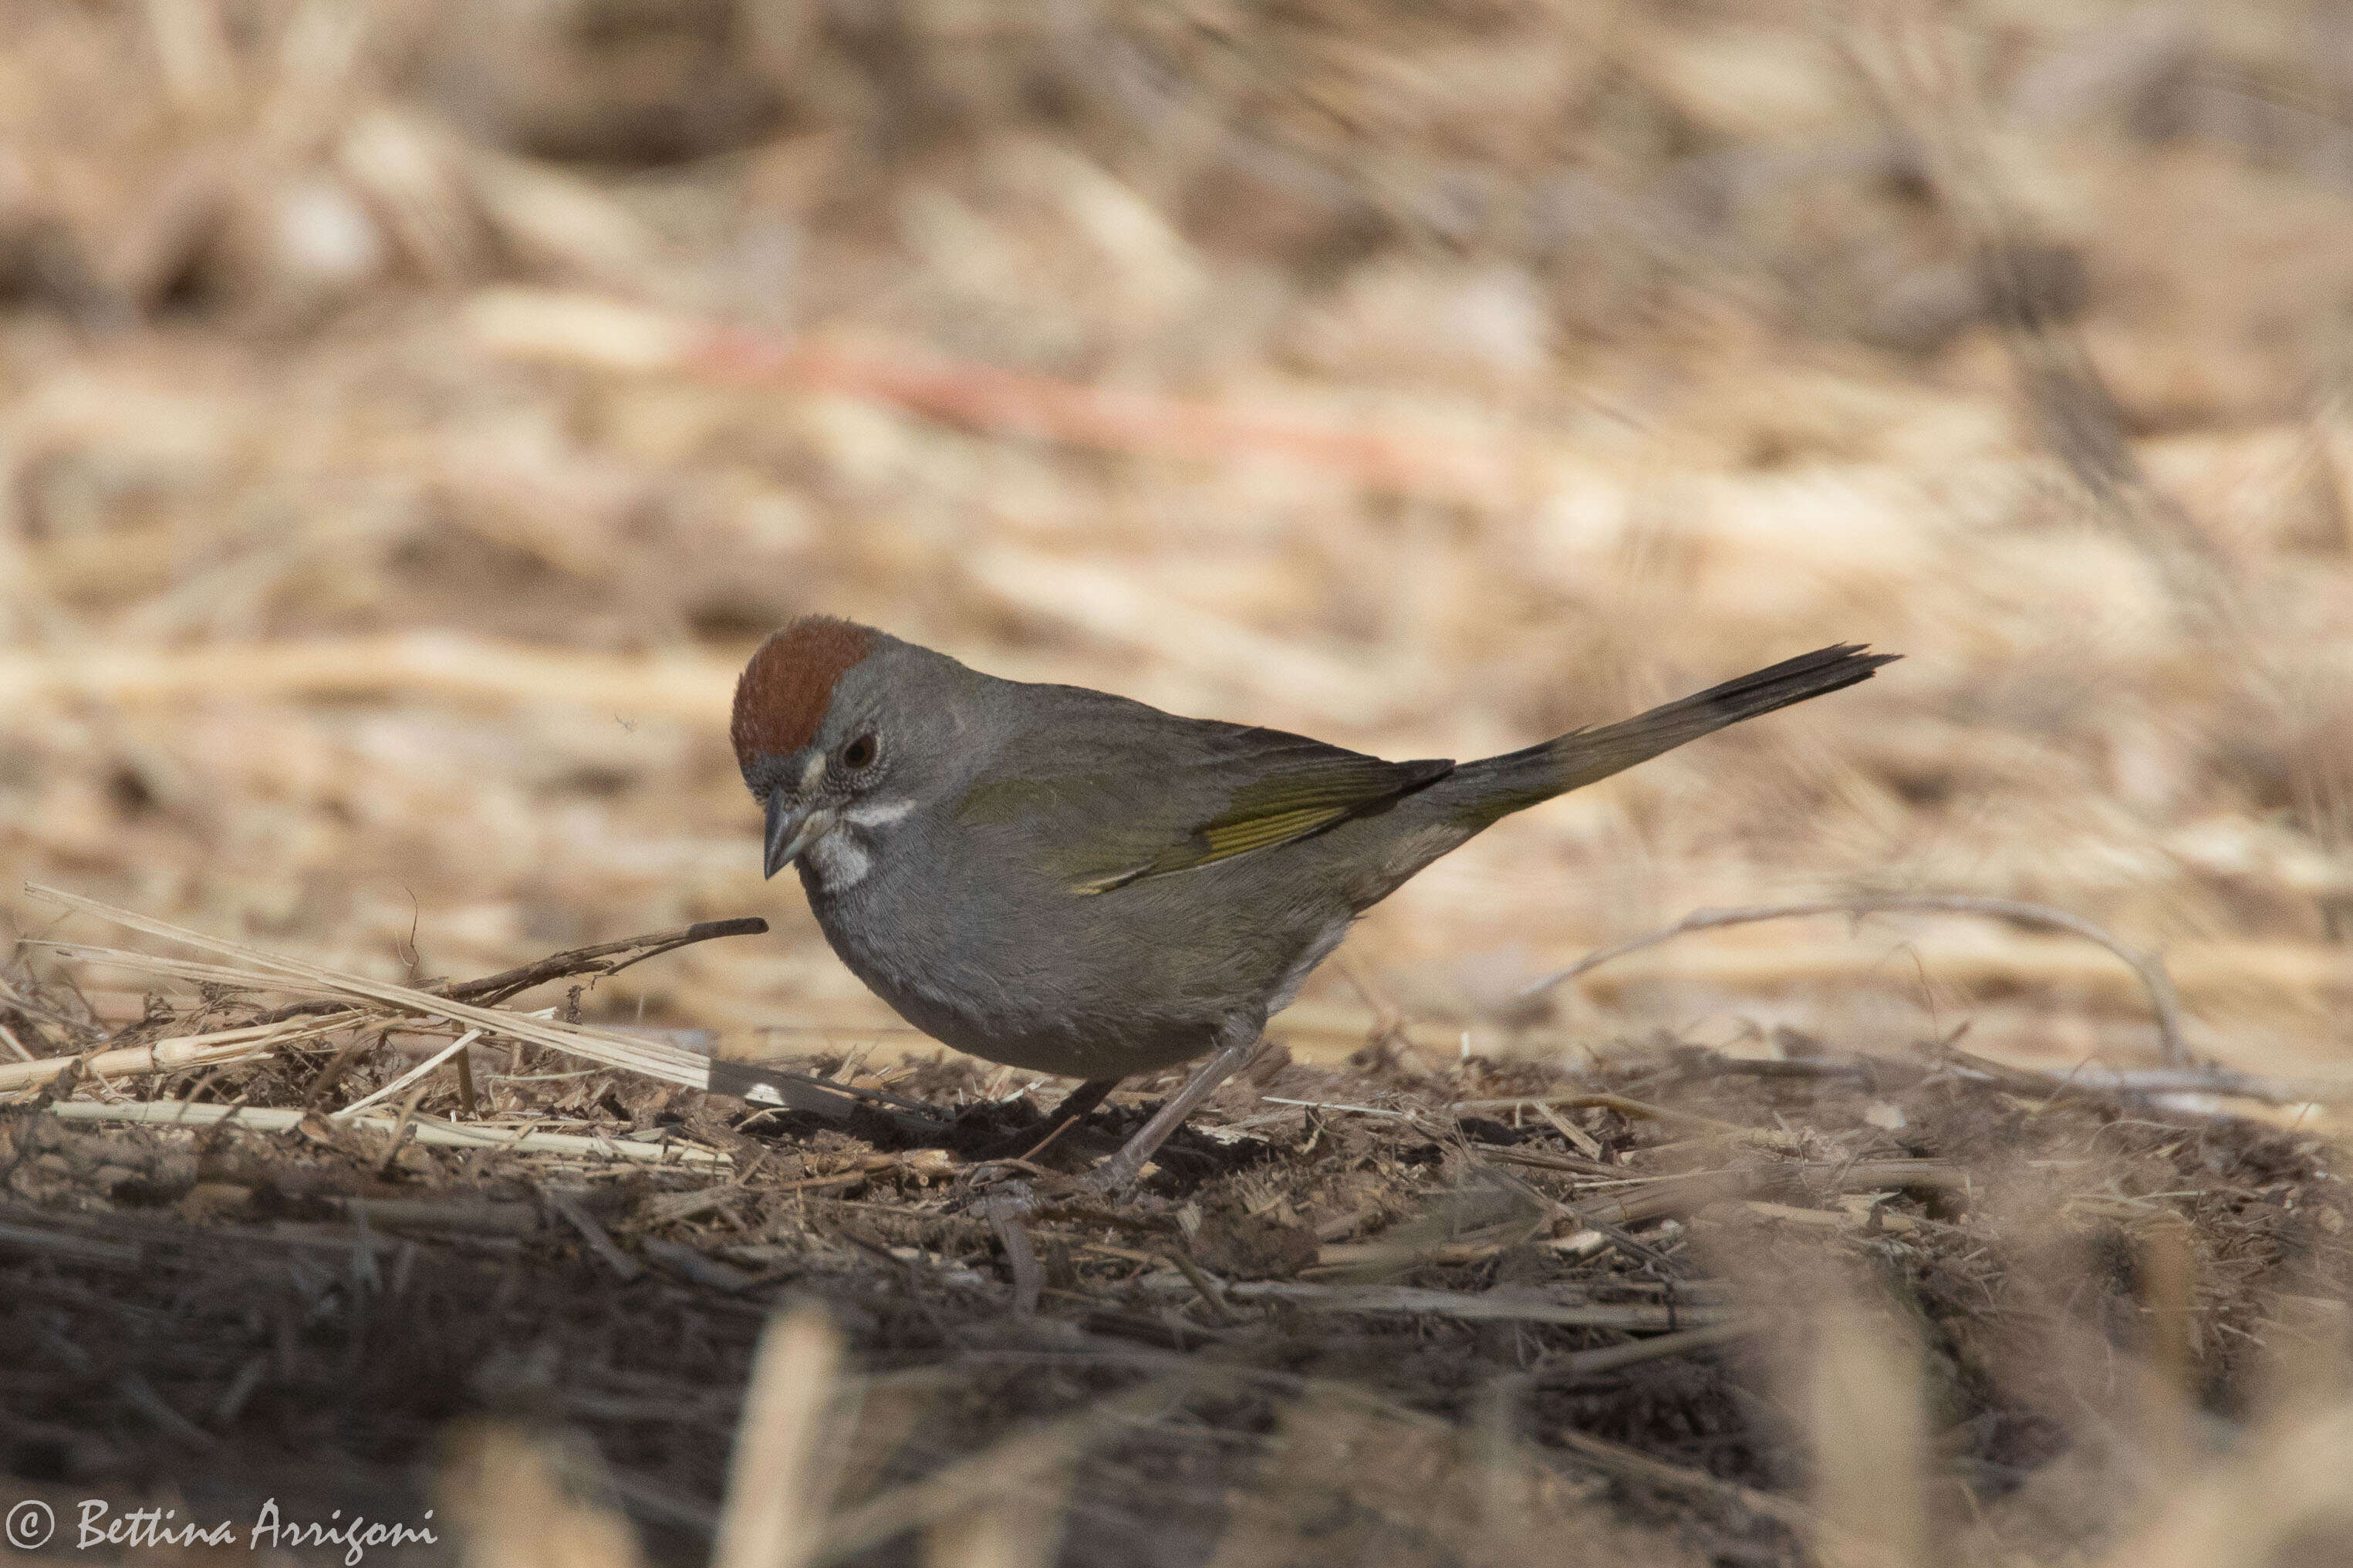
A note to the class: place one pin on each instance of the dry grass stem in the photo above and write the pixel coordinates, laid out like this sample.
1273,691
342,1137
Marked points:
210,1049
1019,1533
1869,1445
1632,1465
2291,1485
522,1139
779,1480
1613,1357
414,1073
1503,1307
508,1493
669,1063
1011,1469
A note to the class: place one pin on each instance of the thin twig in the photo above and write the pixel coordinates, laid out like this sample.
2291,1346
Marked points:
1609,1358
426,1129
1829,1220
2088,1077
1008,1209
486,1217
400,1125
653,1059
1640,1110
489,990
596,959
1495,1306
1576,1137
1640,1252
411,1076
142,1396
1630,1464
17,1002
2091,1079
1205,1283
337,1065
573,1213
75,1249
2164,1001
492,989
709,1272
1669,1196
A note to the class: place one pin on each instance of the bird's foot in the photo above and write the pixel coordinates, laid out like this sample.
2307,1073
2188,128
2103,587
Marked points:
1028,1144
1120,1172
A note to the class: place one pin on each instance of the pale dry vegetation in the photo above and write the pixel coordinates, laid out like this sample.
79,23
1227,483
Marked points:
411,414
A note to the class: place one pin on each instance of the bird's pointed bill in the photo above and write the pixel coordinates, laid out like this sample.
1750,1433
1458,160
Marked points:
791,829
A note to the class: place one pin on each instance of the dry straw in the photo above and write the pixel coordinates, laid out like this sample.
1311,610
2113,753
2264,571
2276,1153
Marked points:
778,1484
263,970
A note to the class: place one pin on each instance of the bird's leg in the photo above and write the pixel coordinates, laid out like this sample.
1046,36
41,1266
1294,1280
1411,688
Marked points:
1234,1052
1081,1102
1076,1107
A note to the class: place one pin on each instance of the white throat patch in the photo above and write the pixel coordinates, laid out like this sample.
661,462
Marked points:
840,857
839,860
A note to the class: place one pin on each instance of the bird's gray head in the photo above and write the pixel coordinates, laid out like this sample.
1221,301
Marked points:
837,726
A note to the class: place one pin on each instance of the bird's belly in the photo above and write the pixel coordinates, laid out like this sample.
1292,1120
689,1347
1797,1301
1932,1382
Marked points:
1019,995
1016,968
1000,1025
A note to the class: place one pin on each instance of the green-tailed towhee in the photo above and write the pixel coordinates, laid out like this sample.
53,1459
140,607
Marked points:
1078,884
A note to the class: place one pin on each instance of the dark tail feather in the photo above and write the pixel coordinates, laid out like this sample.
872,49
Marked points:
1518,779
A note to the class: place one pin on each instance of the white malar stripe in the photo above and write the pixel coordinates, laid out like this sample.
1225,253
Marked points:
881,814
839,860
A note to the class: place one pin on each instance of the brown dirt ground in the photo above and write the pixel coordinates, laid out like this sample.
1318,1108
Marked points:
209,1317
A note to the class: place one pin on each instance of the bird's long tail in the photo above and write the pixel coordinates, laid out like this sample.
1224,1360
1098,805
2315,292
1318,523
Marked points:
1493,787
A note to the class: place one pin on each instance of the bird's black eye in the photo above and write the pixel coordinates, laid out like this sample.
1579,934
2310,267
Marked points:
858,752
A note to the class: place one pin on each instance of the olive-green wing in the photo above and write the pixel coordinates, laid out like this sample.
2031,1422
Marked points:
1233,791
1299,797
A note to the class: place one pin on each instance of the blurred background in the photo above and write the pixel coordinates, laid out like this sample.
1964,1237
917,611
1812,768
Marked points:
412,414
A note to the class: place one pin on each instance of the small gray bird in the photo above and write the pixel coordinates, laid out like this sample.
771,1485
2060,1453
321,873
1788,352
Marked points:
1078,884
